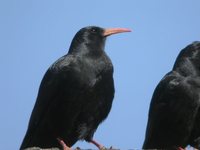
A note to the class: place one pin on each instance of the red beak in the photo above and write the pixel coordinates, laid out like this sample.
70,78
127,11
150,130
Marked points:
111,31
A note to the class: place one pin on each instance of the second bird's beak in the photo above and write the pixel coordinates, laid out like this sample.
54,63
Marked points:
111,31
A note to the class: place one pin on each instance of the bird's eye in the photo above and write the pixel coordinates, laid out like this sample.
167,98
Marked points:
93,30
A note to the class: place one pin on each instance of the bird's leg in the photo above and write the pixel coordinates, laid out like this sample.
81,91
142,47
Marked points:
64,146
100,147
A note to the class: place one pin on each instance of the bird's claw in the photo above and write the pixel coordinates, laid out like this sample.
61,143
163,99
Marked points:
104,148
64,146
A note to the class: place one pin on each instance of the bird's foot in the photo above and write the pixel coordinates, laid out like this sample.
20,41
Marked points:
104,148
64,146
100,147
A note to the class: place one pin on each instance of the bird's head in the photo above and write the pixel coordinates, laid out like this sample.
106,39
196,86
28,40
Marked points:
91,39
188,60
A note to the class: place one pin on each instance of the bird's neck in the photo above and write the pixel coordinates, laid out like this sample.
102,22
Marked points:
87,50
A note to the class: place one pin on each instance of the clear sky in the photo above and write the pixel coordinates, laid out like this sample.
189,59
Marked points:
34,33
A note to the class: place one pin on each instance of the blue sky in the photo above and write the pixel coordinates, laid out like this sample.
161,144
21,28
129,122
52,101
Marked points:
34,33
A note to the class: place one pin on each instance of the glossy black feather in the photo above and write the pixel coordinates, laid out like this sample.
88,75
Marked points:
75,95
174,115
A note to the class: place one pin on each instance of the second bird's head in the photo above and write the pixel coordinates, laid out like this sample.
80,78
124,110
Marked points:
91,39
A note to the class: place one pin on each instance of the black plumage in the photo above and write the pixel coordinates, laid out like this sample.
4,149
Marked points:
174,115
76,93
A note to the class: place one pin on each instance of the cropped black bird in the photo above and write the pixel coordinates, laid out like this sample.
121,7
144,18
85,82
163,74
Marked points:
76,93
174,115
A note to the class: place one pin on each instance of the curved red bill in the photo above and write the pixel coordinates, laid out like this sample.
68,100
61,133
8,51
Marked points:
111,31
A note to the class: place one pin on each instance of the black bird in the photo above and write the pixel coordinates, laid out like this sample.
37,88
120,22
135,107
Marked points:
174,115
76,93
